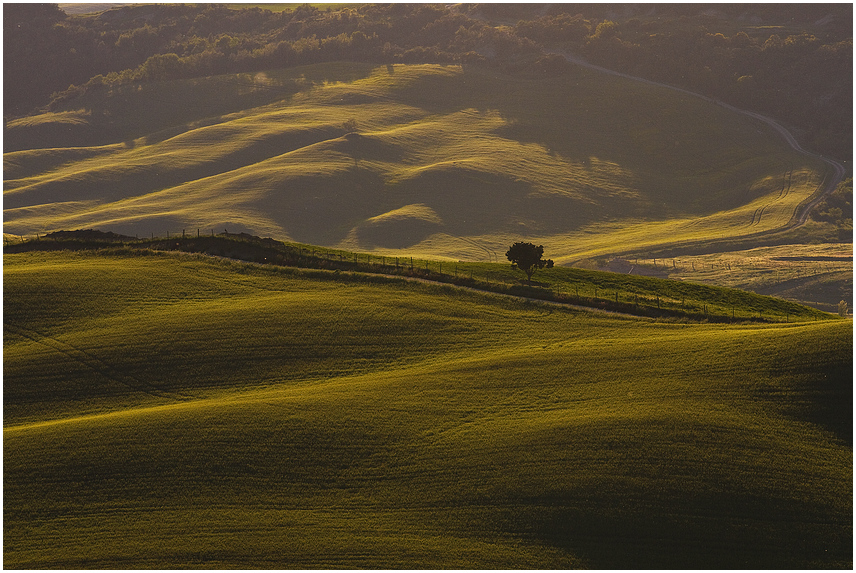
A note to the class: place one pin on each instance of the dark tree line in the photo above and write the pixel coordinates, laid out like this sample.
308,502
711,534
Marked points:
790,61
837,209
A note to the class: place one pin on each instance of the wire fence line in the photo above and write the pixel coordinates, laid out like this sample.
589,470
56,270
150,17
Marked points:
248,248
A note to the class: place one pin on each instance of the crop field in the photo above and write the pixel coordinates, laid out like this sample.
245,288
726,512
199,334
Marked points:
279,7
819,275
170,410
418,160
618,291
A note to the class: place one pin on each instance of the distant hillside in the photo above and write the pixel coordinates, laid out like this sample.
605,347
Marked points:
790,61
438,159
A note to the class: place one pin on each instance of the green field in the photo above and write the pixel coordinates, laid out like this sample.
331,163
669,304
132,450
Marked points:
418,160
175,411
618,292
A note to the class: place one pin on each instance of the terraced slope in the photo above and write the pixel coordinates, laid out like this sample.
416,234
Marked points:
168,412
423,159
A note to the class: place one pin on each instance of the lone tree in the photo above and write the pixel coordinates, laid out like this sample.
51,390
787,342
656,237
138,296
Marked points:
527,258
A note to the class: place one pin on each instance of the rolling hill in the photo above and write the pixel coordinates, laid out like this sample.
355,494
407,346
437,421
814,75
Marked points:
170,411
432,160
263,321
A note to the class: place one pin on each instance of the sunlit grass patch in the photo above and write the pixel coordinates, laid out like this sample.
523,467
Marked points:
496,157
172,411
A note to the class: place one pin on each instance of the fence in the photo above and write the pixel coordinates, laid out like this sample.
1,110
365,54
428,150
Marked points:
268,251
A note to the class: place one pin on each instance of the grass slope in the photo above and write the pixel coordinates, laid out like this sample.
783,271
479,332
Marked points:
818,275
171,412
620,291
447,160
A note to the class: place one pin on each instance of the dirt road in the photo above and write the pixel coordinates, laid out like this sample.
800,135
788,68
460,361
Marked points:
830,180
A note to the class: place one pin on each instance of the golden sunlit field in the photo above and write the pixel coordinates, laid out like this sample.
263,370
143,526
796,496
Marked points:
171,410
267,302
819,275
427,160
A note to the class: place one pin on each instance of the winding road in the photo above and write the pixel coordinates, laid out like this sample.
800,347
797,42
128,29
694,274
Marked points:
831,178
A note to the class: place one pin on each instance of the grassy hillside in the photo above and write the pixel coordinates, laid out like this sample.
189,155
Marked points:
819,275
171,411
405,159
621,291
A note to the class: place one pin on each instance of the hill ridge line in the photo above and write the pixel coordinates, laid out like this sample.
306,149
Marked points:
422,280
484,292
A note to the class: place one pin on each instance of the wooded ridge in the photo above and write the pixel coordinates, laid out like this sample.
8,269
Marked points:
792,61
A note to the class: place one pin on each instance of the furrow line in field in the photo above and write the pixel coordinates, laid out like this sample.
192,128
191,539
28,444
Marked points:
786,185
760,213
754,215
490,253
94,363
790,183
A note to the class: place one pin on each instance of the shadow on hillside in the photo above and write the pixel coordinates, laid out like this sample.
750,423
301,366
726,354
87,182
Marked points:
396,234
578,114
536,109
322,210
822,291
468,202
729,530
823,397
157,111
367,148
101,184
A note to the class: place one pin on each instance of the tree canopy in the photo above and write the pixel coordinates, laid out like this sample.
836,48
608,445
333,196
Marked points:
528,258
